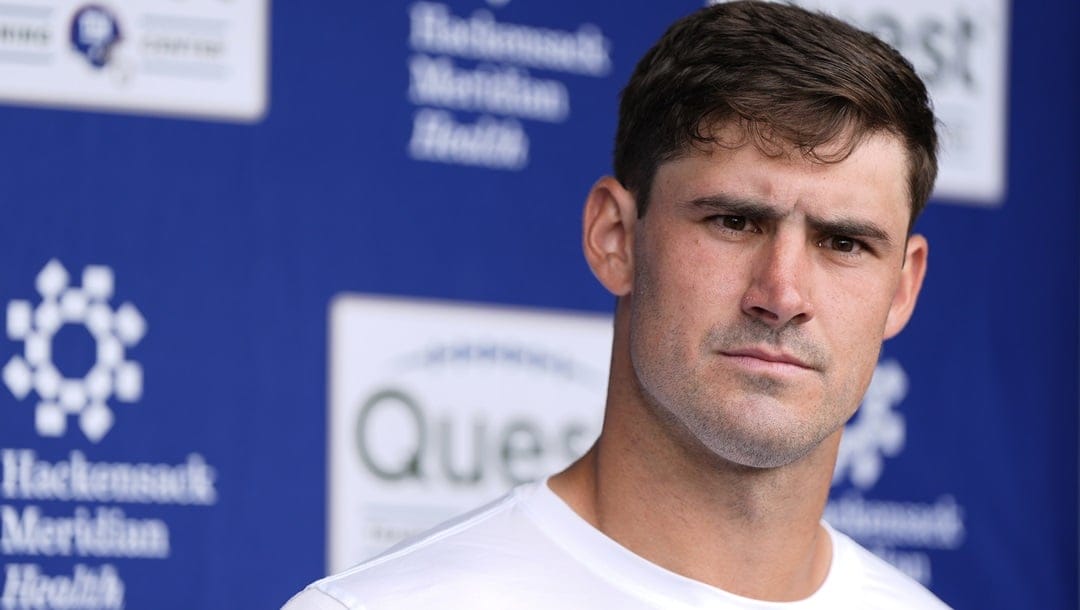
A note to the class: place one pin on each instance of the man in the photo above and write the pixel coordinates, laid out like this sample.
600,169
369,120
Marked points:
769,166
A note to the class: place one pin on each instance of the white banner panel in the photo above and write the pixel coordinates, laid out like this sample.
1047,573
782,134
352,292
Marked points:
436,408
205,58
960,48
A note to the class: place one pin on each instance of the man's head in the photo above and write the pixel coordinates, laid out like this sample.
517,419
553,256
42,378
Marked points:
782,157
786,78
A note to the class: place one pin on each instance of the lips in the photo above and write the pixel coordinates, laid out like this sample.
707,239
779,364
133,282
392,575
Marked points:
765,358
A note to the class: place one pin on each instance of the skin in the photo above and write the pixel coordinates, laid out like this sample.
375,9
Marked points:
753,298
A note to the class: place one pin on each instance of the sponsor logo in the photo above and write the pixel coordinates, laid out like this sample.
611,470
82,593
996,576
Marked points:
61,393
86,517
95,31
196,59
901,532
437,408
474,84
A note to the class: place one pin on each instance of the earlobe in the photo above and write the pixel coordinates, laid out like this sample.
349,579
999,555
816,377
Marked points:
607,234
907,290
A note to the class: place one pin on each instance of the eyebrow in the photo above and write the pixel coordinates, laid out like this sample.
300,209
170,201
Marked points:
760,212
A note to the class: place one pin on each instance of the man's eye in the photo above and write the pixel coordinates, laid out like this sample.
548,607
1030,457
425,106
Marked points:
843,244
735,223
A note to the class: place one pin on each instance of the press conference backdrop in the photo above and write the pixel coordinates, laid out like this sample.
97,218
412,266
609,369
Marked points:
282,283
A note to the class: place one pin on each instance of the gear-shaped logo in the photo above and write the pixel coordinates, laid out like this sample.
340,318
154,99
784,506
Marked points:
111,374
877,431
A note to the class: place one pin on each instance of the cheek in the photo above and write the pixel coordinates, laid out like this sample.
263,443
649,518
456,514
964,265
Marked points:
657,311
854,304
700,277
853,322
670,306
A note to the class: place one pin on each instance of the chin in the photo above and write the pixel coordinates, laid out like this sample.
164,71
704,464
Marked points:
758,435
759,453
752,450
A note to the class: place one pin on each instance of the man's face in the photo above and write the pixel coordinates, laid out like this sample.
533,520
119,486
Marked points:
762,290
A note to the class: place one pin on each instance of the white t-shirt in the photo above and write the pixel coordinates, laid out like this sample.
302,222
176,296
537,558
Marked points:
529,550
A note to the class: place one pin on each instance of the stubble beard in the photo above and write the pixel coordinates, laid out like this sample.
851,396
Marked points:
755,421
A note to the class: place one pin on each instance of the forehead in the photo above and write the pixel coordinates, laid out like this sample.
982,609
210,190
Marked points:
870,182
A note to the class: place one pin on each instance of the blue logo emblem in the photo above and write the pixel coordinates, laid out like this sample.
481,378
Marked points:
94,33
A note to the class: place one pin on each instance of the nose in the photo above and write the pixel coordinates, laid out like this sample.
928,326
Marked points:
779,289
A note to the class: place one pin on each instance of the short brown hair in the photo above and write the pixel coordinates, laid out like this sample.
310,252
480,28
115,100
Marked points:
785,75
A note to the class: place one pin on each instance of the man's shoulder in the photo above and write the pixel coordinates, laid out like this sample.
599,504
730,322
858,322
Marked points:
455,560
881,582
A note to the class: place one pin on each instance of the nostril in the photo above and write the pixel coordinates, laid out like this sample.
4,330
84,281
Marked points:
763,313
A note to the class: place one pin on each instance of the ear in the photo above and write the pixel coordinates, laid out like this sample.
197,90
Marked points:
608,234
907,291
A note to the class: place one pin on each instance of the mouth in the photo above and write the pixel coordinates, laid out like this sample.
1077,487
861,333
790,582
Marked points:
767,361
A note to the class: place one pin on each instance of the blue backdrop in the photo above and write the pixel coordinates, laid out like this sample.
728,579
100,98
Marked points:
231,240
